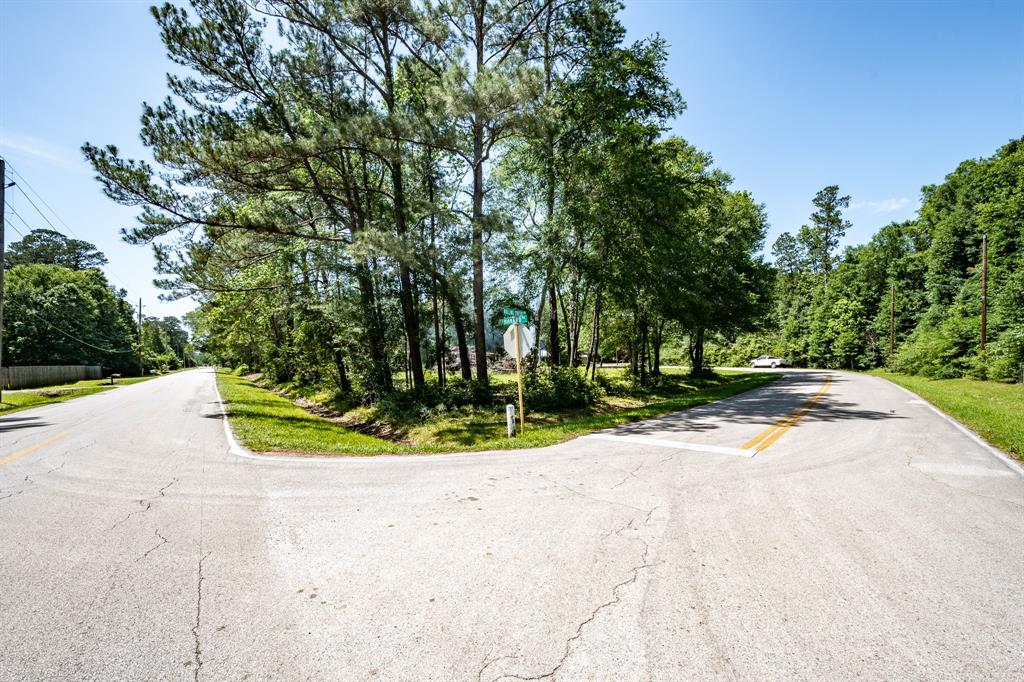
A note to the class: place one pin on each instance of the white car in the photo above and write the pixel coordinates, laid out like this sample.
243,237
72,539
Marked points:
769,361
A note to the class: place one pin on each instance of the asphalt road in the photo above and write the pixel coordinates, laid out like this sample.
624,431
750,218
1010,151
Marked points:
871,539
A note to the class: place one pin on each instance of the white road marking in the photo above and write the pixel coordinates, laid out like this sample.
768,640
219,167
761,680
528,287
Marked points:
661,443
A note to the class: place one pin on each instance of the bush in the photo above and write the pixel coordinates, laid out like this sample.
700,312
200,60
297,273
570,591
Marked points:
562,387
241,370
1006,356
458,392
928,352
430,401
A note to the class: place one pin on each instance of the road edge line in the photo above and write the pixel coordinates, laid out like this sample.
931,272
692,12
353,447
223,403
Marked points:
234,447
1010,463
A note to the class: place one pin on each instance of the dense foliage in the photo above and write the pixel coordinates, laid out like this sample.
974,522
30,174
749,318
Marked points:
57,316
358,196
59,309
53,248
928,269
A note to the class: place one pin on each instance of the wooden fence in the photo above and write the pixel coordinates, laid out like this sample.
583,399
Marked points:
47,375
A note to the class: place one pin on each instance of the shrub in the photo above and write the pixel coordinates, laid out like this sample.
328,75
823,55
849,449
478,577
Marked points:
241,370
458,392
430,401
561,387
927,352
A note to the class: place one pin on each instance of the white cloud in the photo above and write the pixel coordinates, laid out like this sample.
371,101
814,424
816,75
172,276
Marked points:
30,146
890,205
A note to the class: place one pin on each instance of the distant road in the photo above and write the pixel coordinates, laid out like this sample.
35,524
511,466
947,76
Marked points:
869,538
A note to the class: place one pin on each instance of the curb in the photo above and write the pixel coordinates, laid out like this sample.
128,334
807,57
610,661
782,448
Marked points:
234,447
239,450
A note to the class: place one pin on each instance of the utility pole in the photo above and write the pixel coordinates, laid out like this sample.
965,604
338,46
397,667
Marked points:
3,188
984,290
892,322
142,371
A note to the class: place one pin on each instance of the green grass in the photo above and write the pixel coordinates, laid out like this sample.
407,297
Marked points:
13,401
23,399
994,410
266,422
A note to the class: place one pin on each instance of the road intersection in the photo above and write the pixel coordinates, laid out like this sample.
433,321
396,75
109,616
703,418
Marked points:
868,537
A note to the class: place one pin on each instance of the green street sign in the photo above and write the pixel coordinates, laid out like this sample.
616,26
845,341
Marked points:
513,316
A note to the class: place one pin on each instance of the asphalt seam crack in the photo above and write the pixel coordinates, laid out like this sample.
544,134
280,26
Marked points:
631,474
146,503
591,497
616,598
198,651
163,541
488,662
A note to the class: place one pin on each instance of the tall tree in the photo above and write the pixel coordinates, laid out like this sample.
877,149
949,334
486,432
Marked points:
821,237
53,248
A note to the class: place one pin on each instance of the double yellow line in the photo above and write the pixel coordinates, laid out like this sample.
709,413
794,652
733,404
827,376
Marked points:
774,432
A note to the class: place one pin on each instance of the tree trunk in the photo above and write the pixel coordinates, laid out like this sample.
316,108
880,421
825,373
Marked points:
538,318
697,353
343,381
643,350
633,353
459,320
410,318
380,372
659,337
439,343
554,352
597,336
479,330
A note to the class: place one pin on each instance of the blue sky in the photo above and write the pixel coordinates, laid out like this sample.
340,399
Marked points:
879,98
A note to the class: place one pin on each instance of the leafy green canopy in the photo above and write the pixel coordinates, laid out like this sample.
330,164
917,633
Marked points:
929,271
348,199
53,248
57,316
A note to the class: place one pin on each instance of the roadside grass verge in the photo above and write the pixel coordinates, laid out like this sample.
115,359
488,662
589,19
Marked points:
23,399
993,410
14,401
267,422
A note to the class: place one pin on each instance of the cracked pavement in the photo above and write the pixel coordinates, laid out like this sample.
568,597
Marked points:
872,540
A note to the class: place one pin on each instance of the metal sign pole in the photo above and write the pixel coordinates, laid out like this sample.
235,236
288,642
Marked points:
519,376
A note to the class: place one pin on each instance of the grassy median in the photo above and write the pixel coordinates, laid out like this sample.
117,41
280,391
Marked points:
994,410
267,422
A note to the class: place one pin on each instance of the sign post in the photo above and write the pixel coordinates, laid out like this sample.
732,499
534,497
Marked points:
518,340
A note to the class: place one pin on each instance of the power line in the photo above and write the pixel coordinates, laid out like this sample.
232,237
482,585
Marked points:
43,215
72,336
41,199
55,215
22,222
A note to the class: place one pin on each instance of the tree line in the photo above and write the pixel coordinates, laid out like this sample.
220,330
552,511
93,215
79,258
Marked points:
60,309
921,279
353,190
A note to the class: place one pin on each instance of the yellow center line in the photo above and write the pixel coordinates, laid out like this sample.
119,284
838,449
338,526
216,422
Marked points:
762,440
28,451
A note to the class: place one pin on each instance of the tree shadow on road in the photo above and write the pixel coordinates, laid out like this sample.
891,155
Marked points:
765,406
15,423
